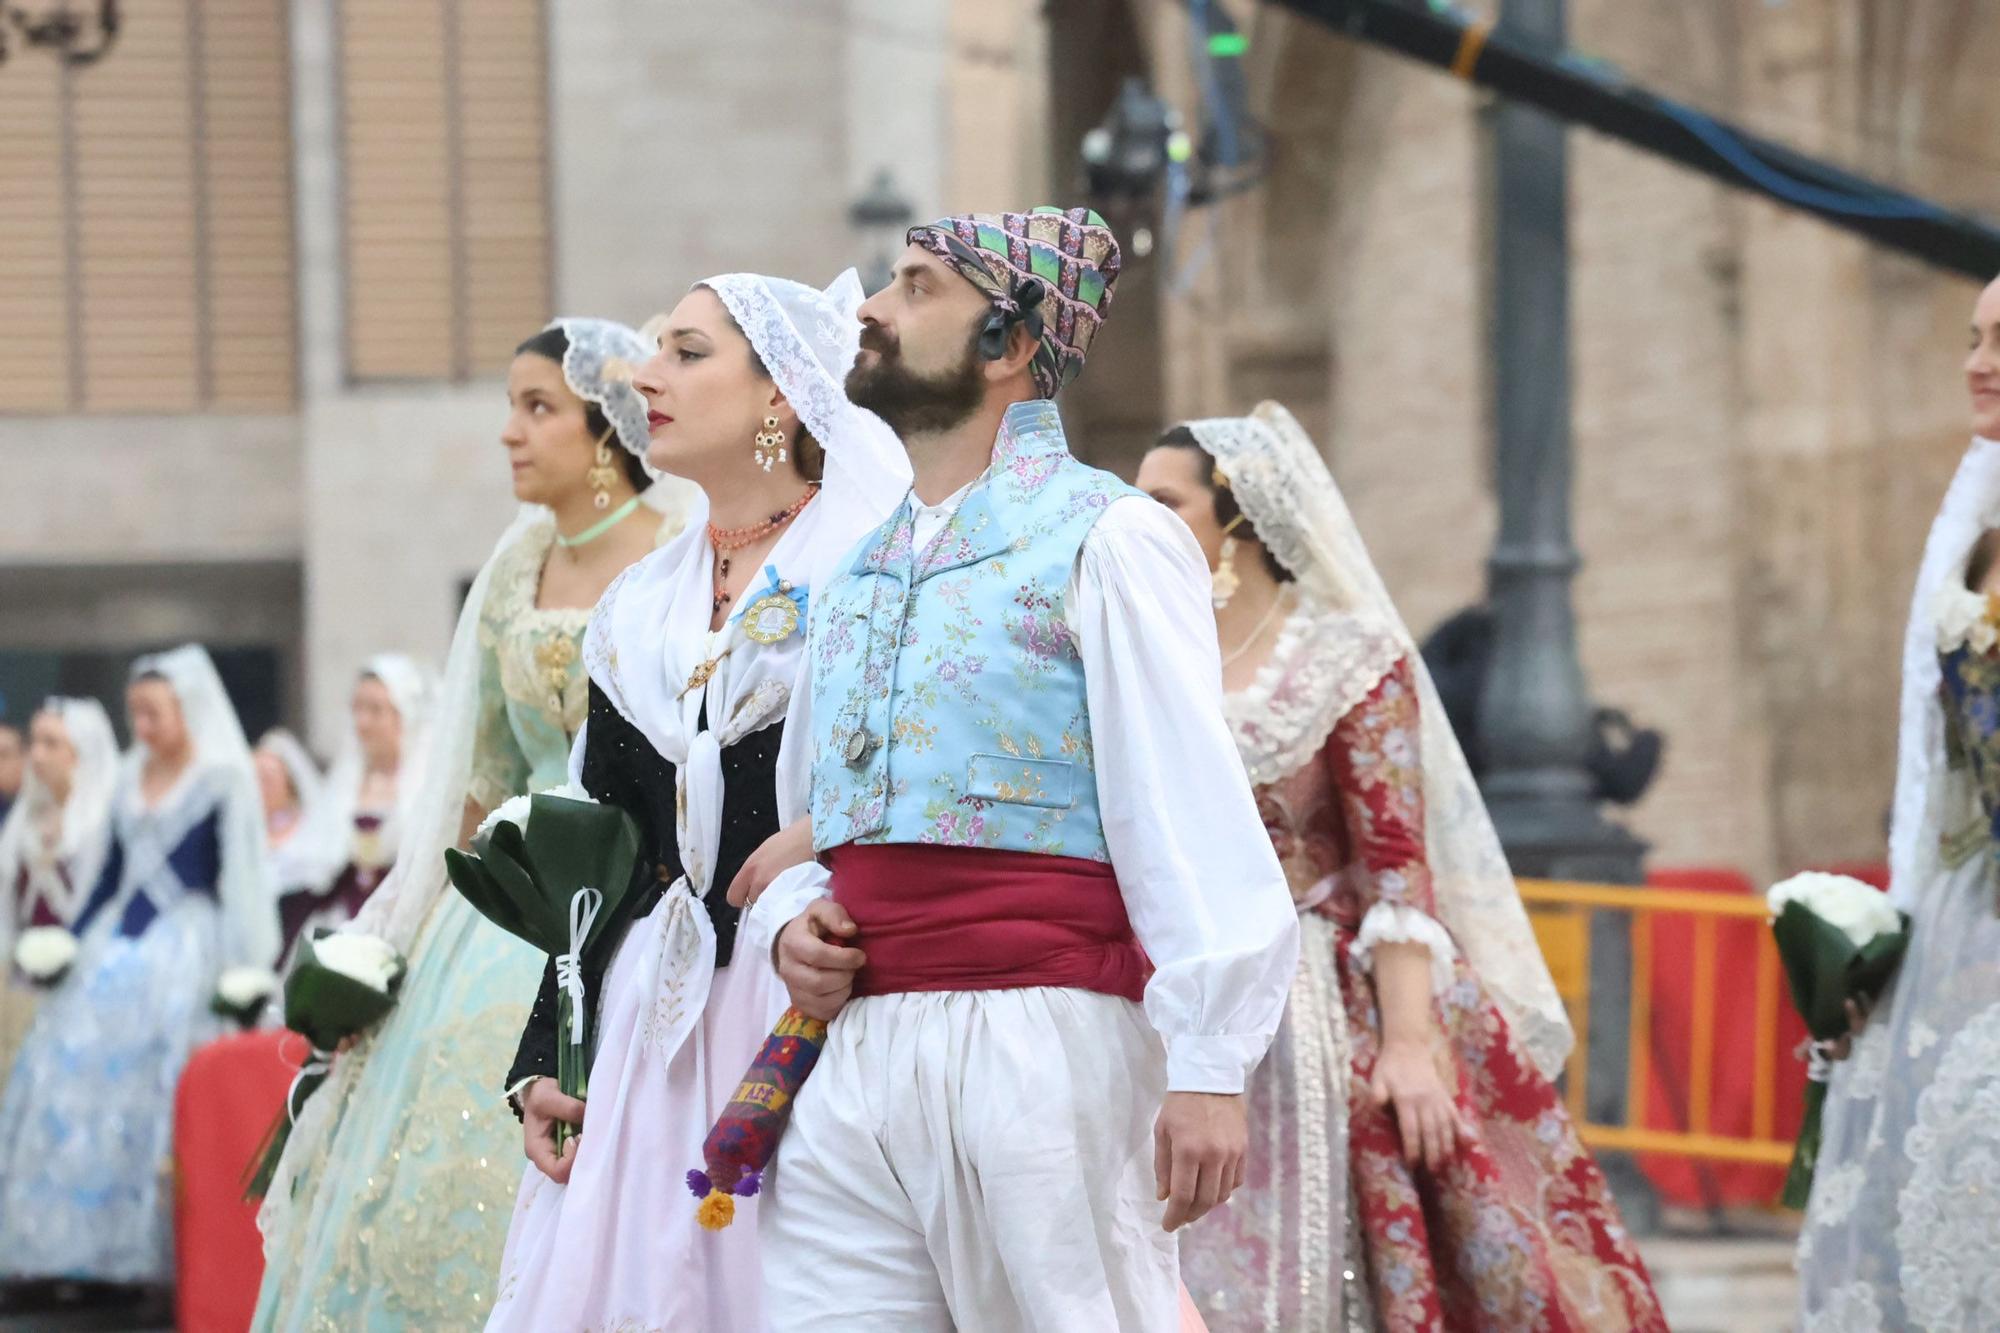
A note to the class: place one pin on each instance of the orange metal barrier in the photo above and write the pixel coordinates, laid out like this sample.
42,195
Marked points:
1562,914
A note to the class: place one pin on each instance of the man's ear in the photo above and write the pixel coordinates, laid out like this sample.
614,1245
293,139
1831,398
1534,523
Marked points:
1021,347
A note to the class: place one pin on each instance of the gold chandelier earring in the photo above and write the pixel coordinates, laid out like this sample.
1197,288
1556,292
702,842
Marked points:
769,449
1224,580
603,474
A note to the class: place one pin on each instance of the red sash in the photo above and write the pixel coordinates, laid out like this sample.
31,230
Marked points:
968,918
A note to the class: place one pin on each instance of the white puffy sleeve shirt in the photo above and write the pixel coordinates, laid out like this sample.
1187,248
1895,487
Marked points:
1202,886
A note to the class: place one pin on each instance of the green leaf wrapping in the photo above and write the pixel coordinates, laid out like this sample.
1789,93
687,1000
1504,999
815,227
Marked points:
525,885
325,1007
1824,970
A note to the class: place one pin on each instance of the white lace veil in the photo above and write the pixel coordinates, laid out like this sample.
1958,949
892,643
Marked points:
598,369
86,811
303,860
1286,492
807,339
1924,784
248,902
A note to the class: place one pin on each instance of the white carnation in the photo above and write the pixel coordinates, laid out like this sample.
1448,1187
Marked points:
514,810
244,987
43,952
362,958
1964,617
1859,911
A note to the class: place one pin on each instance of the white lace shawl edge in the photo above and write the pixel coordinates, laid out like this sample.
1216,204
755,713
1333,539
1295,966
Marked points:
1277,739
1400,923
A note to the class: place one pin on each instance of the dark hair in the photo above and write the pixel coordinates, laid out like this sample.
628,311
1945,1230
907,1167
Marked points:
1980,564
1227,511
553,344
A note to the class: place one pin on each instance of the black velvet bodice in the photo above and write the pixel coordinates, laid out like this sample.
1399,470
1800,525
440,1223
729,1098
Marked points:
621,768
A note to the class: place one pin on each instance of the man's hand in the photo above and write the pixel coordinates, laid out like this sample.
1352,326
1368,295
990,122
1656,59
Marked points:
1199,1144
542,1105
790,846
816,969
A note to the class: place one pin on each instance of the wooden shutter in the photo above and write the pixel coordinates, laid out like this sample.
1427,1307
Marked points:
148,217
34,279
247,136
445,116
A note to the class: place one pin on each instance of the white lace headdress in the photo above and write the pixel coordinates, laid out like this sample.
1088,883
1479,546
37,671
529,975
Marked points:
598,368
1286,492
86,811
1923,796
807,339
245,893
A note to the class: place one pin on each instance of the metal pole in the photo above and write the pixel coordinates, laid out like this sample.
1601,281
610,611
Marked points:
1536,714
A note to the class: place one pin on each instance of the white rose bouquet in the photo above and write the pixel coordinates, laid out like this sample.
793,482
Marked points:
242,992
341,984
1839,940
44,954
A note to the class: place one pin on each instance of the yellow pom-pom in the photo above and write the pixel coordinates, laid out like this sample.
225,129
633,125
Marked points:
717,1211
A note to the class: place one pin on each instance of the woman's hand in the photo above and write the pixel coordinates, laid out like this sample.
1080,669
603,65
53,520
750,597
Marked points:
542,1105
1857,1019
789,846
1406,1079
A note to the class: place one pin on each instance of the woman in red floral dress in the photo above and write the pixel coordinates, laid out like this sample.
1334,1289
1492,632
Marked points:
1412,1166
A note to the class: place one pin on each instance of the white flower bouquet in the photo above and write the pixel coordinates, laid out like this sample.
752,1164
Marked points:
1839,940
44,954
242,992
341,984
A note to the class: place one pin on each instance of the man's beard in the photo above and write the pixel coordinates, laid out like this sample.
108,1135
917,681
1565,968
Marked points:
915,404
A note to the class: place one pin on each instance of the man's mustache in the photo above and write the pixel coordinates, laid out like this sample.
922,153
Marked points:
875,338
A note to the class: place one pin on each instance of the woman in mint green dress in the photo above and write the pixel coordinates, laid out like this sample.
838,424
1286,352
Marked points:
390,1208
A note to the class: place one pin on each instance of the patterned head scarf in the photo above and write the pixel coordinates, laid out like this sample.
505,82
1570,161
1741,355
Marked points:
1052,267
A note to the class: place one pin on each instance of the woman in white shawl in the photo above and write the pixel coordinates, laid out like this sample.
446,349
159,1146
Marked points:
1414,1166
693,656
1903,1227
349,837
52,842
293,789
185,891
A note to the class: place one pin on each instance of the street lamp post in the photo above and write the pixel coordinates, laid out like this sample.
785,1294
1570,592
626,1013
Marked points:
880,217
1536,719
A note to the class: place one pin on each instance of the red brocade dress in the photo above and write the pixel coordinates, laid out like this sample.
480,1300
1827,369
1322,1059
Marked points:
1332,1230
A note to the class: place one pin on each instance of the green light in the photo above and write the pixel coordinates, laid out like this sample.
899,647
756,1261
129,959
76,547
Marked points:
1223,45
1179,147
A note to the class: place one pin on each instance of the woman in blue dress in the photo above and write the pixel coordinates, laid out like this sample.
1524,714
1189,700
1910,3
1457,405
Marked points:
85,1177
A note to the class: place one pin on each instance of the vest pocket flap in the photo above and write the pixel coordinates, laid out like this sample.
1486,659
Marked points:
1049,783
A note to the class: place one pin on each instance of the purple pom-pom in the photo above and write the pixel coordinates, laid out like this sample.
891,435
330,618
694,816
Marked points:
749,1183
698,1183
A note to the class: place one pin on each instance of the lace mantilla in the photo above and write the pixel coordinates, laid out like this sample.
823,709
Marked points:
807,339
1323,664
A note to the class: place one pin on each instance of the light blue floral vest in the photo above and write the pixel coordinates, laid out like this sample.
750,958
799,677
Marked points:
948,697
